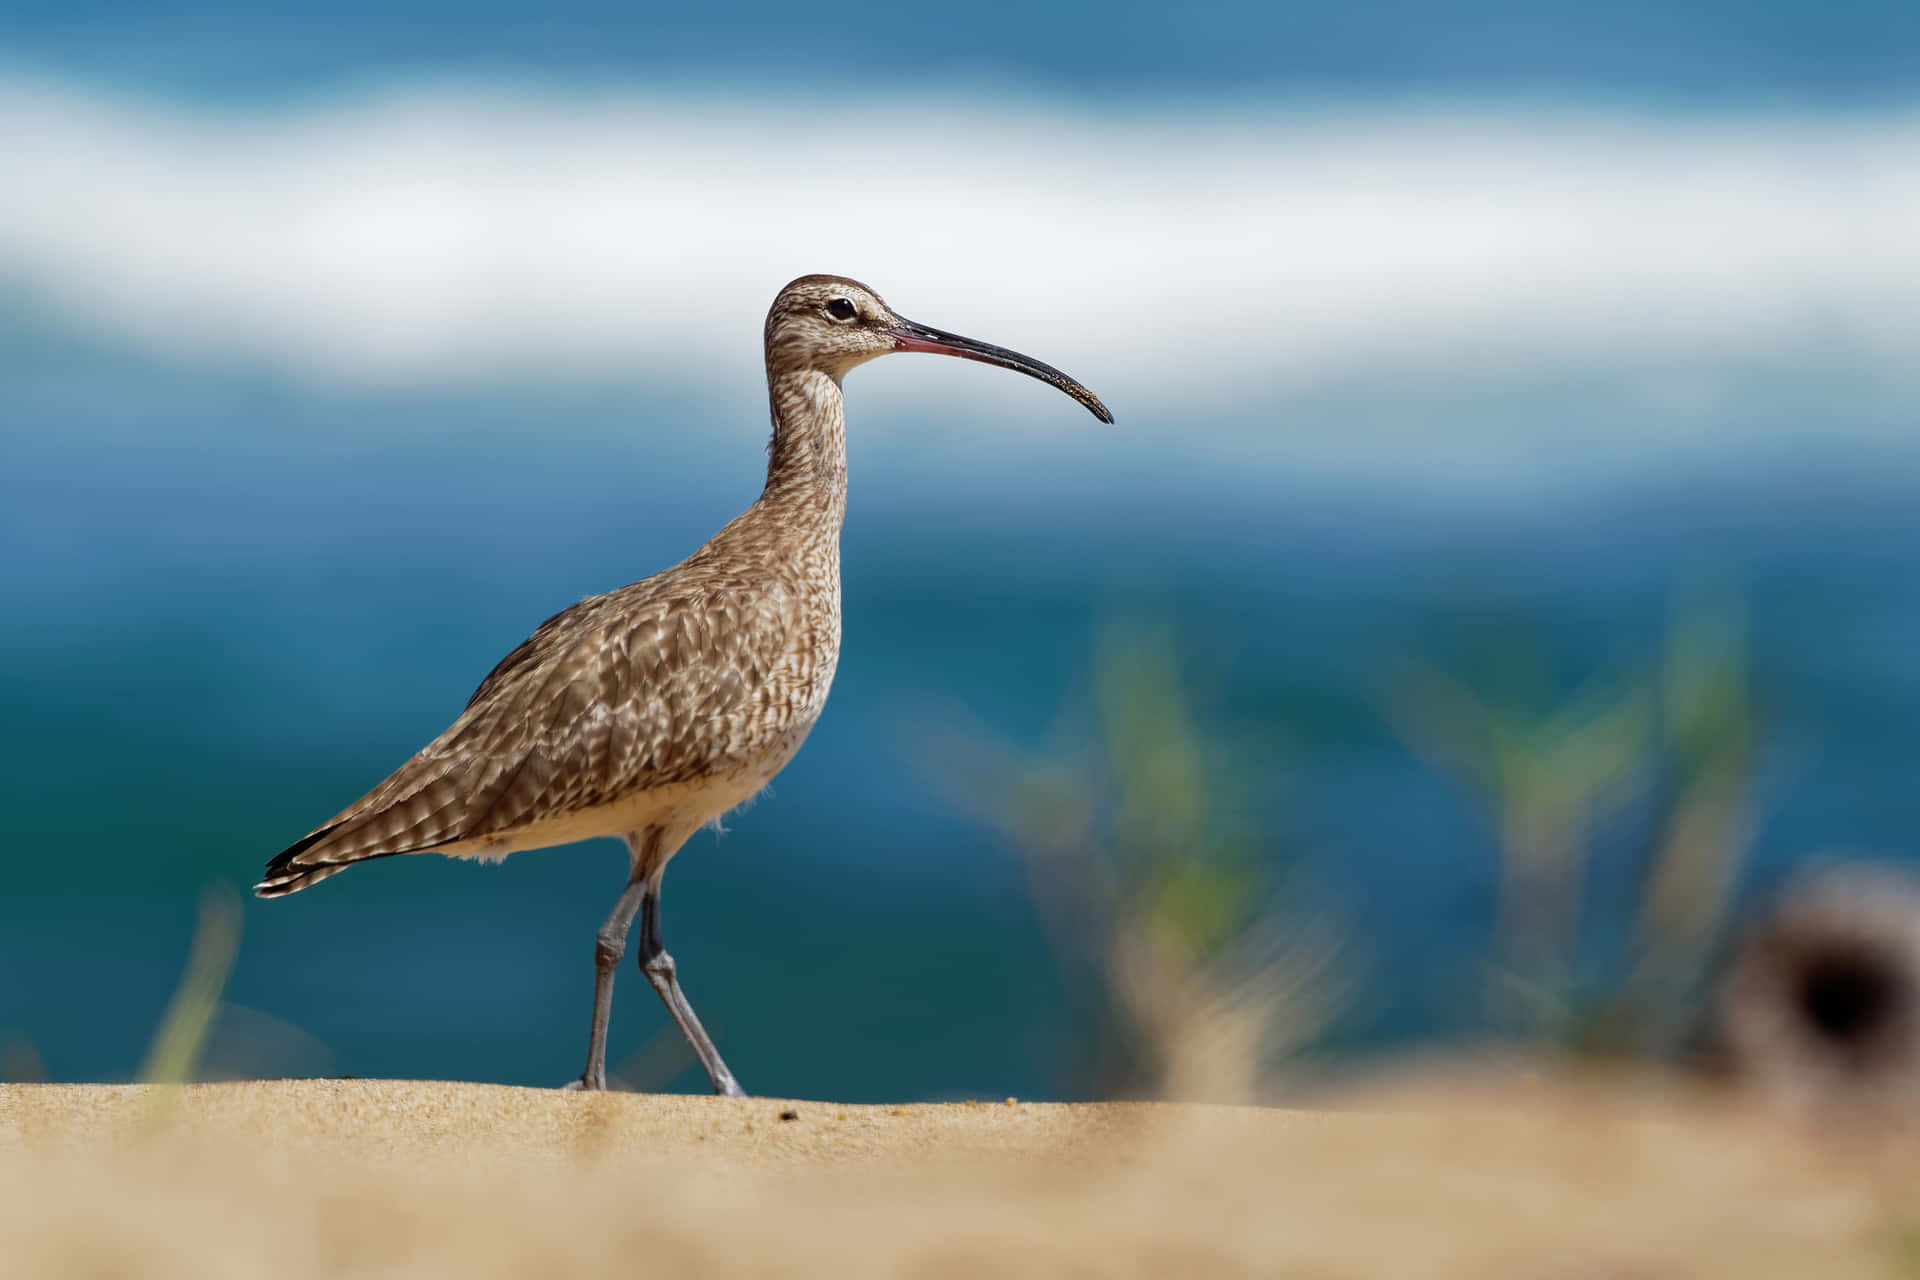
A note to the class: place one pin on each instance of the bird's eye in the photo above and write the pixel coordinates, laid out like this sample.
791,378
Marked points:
841,309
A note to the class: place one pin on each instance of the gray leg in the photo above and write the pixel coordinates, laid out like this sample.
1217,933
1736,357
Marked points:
659,968
608,946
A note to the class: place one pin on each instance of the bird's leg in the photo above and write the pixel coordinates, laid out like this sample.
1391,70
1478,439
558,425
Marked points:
659,968
608,946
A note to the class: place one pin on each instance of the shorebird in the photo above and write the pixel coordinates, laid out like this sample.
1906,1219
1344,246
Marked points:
650,711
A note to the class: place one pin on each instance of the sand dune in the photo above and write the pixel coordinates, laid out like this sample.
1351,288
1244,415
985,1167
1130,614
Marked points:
402,1179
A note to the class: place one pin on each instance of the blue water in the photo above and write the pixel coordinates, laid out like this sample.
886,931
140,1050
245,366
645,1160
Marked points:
1702,50
214,639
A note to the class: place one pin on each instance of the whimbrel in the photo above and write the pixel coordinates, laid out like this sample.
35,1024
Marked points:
650,711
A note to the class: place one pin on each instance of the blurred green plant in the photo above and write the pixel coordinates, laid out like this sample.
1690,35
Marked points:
175,1052
1547,775
1168,910
1710,738
1671,742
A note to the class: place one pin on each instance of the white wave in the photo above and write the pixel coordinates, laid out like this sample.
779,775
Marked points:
1208,255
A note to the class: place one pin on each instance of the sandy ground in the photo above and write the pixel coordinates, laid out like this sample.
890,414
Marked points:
402,1179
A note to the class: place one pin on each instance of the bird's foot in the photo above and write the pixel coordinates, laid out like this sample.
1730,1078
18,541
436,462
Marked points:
587,1083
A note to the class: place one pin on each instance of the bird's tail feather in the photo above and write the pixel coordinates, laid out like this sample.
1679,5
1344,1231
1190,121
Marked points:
304,863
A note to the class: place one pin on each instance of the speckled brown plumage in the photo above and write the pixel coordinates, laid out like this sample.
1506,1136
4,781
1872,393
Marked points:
652,710
690,675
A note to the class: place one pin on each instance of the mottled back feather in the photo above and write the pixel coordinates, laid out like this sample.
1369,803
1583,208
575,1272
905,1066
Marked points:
690,674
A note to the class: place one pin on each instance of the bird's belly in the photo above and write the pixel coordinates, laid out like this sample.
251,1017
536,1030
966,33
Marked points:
677,809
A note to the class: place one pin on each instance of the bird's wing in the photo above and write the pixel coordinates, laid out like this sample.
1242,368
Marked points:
618,694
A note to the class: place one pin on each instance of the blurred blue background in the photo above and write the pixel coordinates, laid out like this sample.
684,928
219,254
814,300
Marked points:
343,346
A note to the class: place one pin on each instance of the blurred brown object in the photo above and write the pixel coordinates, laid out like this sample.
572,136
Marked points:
1820,1007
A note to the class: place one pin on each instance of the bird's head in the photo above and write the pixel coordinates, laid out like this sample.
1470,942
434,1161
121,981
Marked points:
831,324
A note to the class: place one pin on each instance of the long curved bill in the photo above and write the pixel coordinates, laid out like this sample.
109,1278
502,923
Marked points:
908,336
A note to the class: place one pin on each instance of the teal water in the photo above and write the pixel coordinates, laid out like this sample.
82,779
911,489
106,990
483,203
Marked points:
209,649
1711,50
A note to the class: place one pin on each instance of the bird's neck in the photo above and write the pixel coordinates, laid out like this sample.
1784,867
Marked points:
807,459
